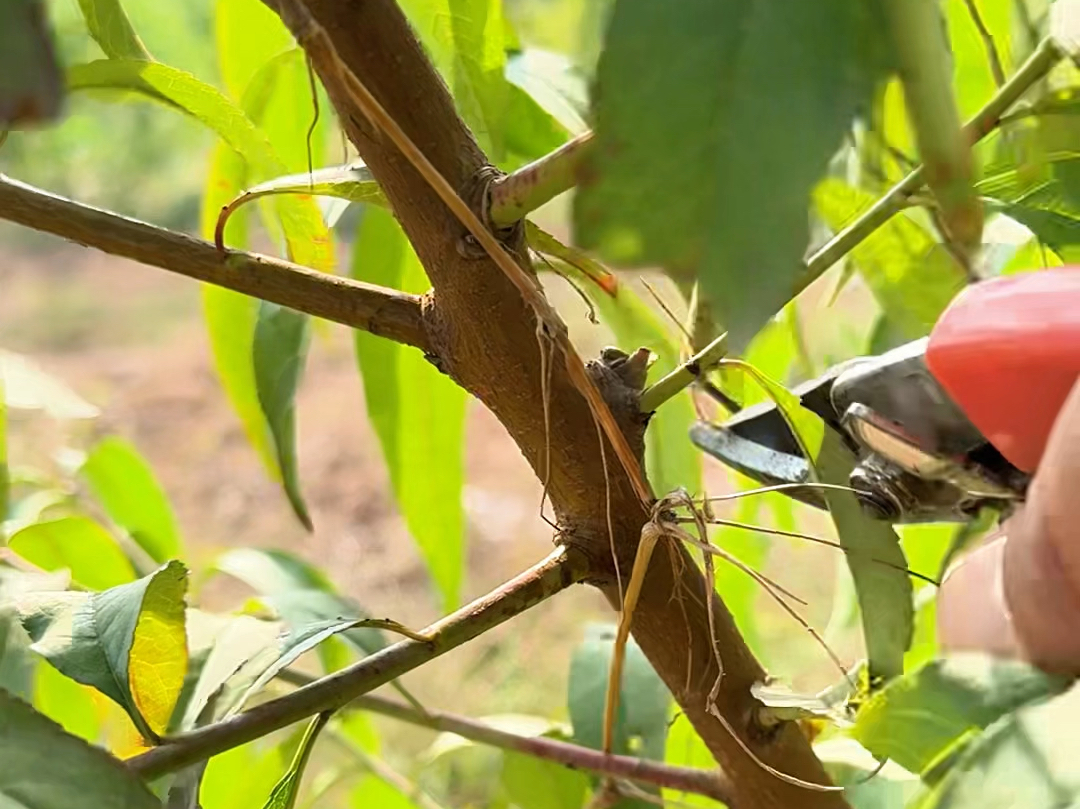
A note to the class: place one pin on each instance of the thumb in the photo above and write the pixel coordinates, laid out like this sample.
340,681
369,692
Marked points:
1019,594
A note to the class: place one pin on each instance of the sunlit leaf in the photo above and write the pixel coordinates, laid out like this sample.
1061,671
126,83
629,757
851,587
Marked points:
372,791
552,80
643,702
418,413
232,778
248,34
1024,759
467,41
916,718
124,484
912,276
873,554
78,544
66,702
109,25
698,167
46,768
128,642
31,87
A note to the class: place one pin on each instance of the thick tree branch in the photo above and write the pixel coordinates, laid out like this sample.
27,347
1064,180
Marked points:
712,784
555,573
485,336
516,195
385,312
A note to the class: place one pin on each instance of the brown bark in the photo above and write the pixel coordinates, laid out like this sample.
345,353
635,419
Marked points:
484,336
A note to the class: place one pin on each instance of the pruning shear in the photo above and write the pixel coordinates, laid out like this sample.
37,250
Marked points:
941,427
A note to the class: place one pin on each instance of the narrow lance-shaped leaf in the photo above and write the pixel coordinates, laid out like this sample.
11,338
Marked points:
704,162
279,350
306,237
128,642
285,792
872,547
46,768
124,484
418,413
79,544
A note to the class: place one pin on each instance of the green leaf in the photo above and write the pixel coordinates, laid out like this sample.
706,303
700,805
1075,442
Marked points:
418,413
284,793
352,182
869,785
467,40
16,660
1026,758
279,351
704,162
110,27
374,792
1057,227
233,777
299,593
296,643
912,276
46,768
685,748
306,237
248,35
533,783
918,717
67,702
31,87
302,596
872,548
128,642
124,484
79,544
641,725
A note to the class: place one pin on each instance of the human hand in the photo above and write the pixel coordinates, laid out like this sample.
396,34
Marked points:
1018,595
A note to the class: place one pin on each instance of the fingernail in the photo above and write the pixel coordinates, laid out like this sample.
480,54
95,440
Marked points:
971,605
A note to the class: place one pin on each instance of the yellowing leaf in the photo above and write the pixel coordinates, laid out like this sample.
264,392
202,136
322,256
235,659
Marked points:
158,659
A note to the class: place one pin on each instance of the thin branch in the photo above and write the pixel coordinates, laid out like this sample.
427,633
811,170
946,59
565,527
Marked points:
562,568
985,120
992,55
712,784
385,312
674,382
387,774
520,193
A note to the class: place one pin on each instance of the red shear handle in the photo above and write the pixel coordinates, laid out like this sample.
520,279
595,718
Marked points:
1008,352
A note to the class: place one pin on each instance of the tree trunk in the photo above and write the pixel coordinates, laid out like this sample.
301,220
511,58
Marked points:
481,333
